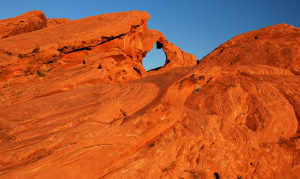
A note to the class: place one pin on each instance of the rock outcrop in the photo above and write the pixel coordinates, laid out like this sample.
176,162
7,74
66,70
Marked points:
105,52
28,22
92,111
175,57
276,46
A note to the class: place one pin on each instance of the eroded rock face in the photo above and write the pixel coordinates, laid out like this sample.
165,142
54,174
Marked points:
28,22
175,57
74,119
105,52
29,52
236,121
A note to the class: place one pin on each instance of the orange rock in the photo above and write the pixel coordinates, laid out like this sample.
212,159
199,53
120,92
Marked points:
276,45
105,52
28,22
176,57
94,112
55,22
233,121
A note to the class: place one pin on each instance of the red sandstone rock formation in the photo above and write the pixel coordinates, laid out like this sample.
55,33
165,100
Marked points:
175,57
276,46
214,119
105,52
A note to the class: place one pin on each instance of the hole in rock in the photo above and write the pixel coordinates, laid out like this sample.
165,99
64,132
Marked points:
49,62
217,176
151,145
155,59
137,70
99,67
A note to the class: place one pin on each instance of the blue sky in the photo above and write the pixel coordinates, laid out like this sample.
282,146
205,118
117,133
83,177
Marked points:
196,26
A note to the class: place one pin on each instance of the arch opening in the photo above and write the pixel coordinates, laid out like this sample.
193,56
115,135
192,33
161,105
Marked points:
155,59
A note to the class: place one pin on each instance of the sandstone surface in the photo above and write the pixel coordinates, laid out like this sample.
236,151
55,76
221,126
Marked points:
28,22
100,51
276,45
90,110
55,22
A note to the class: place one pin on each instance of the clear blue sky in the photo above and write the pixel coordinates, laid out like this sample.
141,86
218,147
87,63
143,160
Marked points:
196,26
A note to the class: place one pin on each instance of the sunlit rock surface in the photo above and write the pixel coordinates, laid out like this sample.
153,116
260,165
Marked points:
76,102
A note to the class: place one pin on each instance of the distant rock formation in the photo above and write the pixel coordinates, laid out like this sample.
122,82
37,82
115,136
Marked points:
76,102
276,46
